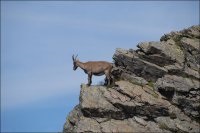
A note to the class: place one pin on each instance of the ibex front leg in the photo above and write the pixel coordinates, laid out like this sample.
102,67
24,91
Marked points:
89,79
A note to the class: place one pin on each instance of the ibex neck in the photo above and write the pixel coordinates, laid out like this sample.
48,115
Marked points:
81,65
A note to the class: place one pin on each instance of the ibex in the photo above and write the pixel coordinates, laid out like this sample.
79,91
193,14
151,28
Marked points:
96,68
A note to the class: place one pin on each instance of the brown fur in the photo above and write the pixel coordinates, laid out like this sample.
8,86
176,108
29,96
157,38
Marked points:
96,68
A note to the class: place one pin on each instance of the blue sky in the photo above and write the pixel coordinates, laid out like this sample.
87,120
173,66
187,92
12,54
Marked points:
38,38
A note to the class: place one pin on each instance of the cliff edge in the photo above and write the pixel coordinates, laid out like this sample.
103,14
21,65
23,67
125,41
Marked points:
156,90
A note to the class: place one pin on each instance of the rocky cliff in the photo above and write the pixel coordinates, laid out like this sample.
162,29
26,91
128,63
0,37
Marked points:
156,90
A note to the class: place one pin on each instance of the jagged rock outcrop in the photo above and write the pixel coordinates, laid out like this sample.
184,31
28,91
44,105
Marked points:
156,90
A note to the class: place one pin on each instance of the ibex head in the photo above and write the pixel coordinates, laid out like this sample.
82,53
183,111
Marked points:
74,62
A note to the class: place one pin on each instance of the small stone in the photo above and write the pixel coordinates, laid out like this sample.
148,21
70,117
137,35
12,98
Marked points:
140,120
193,92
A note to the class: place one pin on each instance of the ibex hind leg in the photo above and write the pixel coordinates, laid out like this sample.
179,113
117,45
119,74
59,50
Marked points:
106,81
112,82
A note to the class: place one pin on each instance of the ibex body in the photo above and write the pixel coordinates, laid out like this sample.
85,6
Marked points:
96,68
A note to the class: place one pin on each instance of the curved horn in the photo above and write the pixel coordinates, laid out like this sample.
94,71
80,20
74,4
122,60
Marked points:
76,56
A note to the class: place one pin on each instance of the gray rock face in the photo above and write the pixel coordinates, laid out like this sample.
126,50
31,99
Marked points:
126,107
184,92
171,66
156,89
131,63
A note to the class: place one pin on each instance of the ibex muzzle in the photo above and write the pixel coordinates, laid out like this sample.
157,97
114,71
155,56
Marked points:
96,68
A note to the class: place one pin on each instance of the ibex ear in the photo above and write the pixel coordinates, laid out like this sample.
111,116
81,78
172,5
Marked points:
73,57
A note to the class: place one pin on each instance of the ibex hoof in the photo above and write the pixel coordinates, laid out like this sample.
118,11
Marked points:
88,84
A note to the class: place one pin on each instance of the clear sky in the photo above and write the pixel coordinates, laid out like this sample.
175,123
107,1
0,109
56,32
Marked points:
38,38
